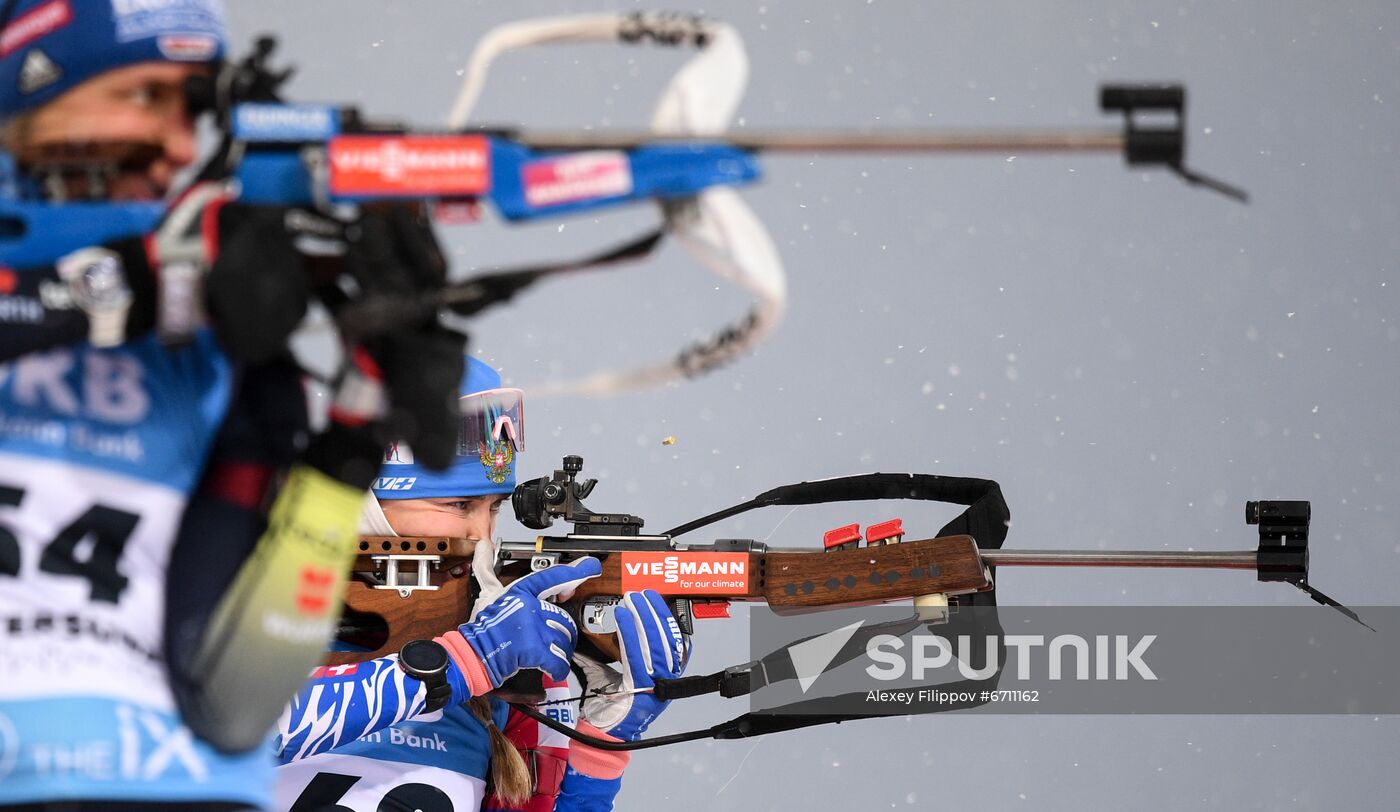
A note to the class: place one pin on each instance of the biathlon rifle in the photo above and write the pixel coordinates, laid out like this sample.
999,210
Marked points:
411,588
333,158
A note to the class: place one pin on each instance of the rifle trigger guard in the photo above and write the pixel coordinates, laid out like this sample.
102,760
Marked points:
597,615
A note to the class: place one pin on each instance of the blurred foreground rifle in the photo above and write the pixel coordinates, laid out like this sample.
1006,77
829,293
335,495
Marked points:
333,158
413,588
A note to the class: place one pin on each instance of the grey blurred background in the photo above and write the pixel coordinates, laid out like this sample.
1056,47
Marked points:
1131,358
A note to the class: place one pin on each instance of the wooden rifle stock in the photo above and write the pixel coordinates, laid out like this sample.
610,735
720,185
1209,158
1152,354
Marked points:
379,617
384,616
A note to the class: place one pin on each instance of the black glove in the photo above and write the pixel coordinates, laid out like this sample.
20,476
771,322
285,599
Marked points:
423,371
258,288
395,261
226,264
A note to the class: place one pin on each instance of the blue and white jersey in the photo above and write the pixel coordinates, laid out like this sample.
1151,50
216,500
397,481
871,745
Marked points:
436,762
356,738
99,450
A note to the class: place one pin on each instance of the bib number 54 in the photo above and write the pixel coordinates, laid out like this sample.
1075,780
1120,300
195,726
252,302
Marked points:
107,527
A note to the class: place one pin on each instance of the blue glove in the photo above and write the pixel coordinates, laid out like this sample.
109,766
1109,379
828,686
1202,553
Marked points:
522,629
652,647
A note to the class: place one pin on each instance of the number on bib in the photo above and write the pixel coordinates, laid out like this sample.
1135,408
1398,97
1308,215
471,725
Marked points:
323,793
9,545
109,530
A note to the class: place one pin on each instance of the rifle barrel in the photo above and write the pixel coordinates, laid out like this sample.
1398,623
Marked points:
1174,559
996,141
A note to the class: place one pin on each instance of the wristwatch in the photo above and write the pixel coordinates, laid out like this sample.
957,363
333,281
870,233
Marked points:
97,280
426,661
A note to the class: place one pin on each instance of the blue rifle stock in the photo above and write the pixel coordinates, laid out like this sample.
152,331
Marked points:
285,156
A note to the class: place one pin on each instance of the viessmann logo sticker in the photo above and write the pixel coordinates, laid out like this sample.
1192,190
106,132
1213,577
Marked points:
446,165
687,573
574,178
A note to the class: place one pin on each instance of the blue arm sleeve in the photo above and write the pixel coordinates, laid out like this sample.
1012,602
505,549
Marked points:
584,793
343,703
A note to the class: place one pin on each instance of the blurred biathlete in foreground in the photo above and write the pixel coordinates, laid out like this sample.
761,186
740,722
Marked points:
172,547
418,731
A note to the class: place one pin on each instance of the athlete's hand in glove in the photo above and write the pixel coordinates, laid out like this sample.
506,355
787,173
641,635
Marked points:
394,258
652,647
260,283
209,261
521,629
399,384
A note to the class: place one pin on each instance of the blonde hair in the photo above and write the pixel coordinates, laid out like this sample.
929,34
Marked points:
510,777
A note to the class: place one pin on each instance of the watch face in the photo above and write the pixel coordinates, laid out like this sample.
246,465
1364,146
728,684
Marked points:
423,656
103,280
97,278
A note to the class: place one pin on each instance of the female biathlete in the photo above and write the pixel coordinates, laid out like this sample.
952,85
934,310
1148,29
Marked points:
393,734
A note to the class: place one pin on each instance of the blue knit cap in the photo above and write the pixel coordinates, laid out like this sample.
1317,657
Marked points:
51,46
470,475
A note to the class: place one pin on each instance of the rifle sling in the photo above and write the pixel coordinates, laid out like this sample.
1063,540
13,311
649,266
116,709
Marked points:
749,678
986,518
777,666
